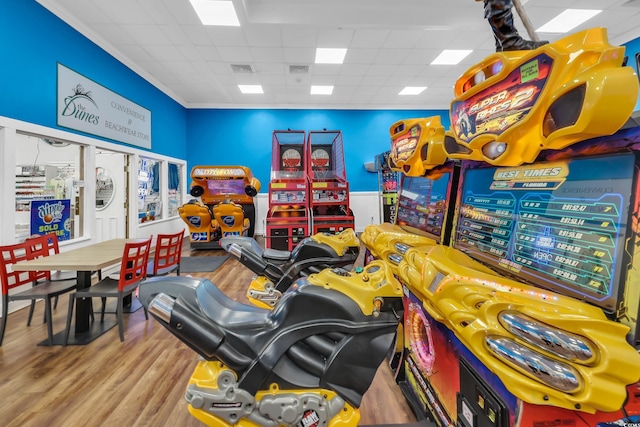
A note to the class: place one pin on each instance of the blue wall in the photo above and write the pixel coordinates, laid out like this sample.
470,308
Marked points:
33,40
243,137
632,48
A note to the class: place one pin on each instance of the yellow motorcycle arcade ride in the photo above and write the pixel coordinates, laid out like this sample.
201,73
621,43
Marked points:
276,270
307,362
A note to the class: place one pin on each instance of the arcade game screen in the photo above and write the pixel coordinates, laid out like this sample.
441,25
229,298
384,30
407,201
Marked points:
225,186
559,225
422,204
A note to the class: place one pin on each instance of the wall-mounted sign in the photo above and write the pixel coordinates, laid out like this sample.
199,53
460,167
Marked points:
86,106
51,216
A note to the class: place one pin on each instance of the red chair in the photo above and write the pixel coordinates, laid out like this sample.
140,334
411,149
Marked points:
36,284
133,270
167,255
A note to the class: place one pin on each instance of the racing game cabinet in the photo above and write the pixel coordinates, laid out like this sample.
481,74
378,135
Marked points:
226,206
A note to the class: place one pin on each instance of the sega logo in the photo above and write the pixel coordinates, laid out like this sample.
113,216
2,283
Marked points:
199,237
228,220
230,233
195,221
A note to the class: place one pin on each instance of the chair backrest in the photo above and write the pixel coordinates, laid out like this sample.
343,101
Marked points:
168,251
230,218
134,263
12,254
41,246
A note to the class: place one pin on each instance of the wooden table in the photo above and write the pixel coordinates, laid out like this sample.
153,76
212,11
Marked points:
84,261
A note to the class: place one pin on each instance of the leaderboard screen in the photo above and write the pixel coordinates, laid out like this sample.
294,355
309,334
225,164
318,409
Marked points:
422,204
559,225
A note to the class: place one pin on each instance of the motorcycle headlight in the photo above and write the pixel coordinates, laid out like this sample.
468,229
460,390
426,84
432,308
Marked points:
494,149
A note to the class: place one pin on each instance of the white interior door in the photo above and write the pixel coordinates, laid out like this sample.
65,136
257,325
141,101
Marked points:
111,195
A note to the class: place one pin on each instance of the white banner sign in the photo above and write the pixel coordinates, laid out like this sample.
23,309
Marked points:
86,106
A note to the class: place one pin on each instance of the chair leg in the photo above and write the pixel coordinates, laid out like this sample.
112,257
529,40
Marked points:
72,300
31,308
146,313
49,318
5,313
55,302
104,304
119,311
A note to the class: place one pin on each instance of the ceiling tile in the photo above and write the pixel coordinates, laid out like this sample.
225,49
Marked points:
267,54
263,36
296,36
146,34
390,45
164,53
294,55
239,55
361,56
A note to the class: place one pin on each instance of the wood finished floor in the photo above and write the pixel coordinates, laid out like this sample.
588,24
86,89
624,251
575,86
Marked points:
140,382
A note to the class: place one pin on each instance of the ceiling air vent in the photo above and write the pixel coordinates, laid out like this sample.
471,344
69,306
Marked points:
241,68
298,69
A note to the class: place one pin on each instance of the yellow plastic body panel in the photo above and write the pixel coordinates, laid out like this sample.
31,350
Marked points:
460,293
367,288
201,174
417,145
545,99
205,376
230,218
381,240
262,293
340,242
199,219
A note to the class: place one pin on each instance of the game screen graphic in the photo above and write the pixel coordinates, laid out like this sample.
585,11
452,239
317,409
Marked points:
225,186
504,104
422,204
291,158
559,225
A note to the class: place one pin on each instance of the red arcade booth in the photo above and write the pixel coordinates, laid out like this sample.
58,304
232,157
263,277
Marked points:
288,216
329,199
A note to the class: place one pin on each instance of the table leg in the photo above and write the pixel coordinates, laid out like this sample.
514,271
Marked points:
84,331
83,305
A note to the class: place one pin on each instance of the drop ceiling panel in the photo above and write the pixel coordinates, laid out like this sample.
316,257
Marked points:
390,45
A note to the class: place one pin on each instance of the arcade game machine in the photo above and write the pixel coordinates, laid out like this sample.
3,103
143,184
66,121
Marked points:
226,206
388,184
329,200
428,182
288,216
427,185
530,316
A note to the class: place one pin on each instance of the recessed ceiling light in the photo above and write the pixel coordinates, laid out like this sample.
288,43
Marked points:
412,90
568,20
330,55
450,57
321,90
212,12
250,88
